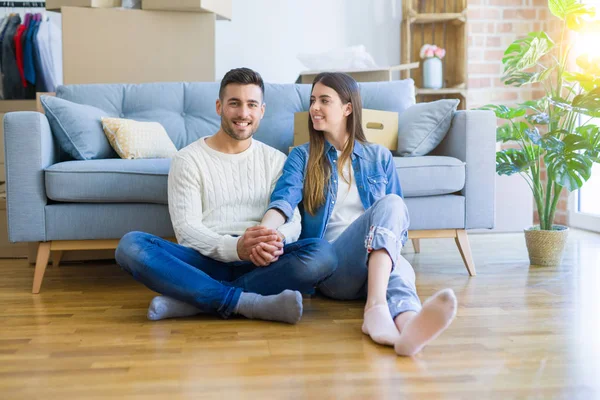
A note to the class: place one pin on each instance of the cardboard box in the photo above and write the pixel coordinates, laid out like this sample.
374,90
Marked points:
362,75
223,8
57,4
113,45
380,127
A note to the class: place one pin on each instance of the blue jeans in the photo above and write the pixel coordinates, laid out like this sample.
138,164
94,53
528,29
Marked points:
381,227
213,286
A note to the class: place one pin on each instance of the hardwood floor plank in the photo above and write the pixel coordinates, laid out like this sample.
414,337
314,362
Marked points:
520,332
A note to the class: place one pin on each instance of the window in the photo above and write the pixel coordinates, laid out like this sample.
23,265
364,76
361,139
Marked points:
584,210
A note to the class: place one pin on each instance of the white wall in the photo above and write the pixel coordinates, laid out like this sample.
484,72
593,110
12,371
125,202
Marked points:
267,35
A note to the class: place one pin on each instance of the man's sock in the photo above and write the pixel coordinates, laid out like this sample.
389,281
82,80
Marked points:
284,307
435,316
380,326
162,307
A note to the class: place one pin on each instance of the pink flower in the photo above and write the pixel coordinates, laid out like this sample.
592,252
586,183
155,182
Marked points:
440,53
424,48
431,50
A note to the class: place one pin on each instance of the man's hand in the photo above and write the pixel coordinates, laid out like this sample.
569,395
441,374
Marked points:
255,235
264,254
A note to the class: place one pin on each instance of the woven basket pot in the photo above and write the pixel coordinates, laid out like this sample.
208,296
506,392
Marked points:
546,247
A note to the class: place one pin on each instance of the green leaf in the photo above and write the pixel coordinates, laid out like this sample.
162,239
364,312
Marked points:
540,118
511,161
525,53
552,143
567,166
591,133
589,101
519,79
564,8
585,107
589,63
588,82
504,112
533,105
574,143
511,132
505,133
534,135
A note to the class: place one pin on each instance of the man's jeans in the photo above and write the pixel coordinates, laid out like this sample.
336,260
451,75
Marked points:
213,286
380,227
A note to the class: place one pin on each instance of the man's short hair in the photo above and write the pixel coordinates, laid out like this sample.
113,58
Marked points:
242,76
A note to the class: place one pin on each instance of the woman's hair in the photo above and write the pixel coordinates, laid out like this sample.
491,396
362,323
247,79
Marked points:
318,170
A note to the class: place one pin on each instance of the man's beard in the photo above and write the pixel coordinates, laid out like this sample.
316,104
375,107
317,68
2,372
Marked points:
229,130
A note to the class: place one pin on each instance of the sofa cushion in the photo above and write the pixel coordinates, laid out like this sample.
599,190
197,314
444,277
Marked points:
187,109
145,180
430,175
77,128
423,126
109,181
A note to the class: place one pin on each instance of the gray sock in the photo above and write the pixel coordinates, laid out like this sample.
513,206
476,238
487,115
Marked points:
284,307
162,307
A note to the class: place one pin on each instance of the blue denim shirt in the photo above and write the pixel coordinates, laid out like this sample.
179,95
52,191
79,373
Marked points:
374,171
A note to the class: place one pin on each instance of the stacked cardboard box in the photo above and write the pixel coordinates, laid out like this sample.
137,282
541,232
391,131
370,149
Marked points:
166,41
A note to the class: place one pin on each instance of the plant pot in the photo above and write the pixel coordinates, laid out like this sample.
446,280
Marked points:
546,247
433,77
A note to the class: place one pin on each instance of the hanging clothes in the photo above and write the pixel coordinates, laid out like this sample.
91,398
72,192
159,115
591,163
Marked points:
30,56
49,44
28,51
11,79
3,24
19,48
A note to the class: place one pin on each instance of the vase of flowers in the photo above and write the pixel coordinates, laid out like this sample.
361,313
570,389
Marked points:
433,74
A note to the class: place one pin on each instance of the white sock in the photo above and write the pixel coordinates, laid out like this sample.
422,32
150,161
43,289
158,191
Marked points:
380,326
435,316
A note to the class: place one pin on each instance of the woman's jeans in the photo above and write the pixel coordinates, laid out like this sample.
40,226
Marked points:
213,286
380,227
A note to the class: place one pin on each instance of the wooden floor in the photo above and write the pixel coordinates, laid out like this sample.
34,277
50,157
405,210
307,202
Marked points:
520,332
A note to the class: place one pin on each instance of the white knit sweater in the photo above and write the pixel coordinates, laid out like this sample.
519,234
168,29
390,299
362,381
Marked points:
214,196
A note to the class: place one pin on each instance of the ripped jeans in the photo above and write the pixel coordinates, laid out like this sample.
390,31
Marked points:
380,227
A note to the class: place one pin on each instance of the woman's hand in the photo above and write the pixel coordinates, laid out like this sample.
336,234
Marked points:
264,254
252,237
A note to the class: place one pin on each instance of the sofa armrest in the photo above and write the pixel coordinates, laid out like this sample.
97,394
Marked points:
29,149
472,139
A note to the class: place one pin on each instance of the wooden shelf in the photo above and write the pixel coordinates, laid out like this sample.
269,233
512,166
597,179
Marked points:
424,92
441,23
425,18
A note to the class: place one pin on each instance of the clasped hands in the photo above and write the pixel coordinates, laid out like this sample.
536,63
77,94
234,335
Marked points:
260,245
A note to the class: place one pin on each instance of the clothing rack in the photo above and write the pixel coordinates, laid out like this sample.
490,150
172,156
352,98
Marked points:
23,4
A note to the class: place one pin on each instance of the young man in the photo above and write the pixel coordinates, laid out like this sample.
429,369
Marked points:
219,189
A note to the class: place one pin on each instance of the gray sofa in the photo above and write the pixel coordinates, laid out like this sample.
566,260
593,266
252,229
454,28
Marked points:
67,204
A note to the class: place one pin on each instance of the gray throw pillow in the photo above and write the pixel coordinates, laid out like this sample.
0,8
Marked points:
78,128
422,127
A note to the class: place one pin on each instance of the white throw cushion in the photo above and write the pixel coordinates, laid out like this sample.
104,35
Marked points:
134,139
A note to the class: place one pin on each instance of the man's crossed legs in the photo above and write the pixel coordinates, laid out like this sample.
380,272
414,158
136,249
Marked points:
192,283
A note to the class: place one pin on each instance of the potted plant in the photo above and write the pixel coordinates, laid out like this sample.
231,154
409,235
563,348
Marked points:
433,76
557,130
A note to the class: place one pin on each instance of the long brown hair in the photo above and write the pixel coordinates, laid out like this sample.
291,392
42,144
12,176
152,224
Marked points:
318,170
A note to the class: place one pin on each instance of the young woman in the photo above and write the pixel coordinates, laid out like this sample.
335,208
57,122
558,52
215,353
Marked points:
349,193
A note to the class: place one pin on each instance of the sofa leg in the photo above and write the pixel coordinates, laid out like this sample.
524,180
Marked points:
462,241
416,245
56,257
40,265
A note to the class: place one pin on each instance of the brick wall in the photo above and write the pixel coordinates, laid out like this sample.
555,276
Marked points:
492,26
